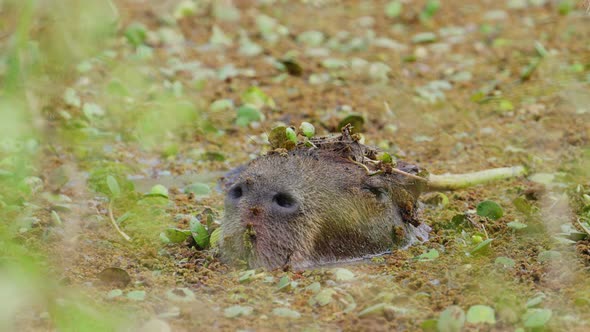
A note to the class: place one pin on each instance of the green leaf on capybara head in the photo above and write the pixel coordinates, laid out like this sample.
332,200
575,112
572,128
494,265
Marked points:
278,139
356,120
307,129
291,135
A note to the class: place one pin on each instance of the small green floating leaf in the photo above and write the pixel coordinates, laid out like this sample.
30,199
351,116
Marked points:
536,318
516,225
437,199
431,255
113,186
185,9
341,274
430,9
175,235
393,9
490,209
429,325
457,222
247,114
136,34
505,262
522,205
451,319
543,178
246,276
481,314
220,38
221,105
564,7
237,310
481,247
284,284
311,38
286,313
314,287
323,297
424,37
159,190
333,63
505,105
535,301
372,310
256,97
198,189
577,68
92,110
307,129
114,293
548,255
199,233
71,98
136,295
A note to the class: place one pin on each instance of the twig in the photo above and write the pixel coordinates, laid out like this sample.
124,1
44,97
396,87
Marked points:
114,222
416,177
460,181
393,169
484,231
369,172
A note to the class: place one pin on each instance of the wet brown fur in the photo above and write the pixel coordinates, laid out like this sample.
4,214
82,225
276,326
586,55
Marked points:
336,208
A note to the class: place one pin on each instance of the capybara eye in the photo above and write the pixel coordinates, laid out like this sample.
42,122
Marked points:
378,192
236,192
284,200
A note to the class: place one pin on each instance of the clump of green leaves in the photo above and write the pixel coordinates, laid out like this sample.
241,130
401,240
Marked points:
202,228
282,137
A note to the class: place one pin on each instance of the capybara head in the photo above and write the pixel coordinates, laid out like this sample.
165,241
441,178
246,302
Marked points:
316,205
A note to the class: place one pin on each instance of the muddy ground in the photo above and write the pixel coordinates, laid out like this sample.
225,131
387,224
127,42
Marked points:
464,87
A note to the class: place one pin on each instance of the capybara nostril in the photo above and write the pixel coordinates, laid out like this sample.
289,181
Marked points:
236,193
284,203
